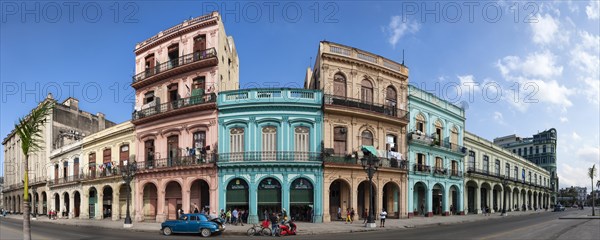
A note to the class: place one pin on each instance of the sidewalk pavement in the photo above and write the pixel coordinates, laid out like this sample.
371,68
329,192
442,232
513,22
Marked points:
585,214
303,228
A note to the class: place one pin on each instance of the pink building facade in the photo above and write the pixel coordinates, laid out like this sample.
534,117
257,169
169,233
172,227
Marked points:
178,74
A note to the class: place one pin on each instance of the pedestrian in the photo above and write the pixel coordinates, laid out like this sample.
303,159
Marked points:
228,216
365,215
195,208
451,210
348,215
352,213
382,216
274,225
339,216
234,216
241,217
422,209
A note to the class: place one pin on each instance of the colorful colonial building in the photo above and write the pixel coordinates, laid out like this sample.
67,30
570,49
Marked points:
270,152
179,72
494,173
104,154
435,153
365,104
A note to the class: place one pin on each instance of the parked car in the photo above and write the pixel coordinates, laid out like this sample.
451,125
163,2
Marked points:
559,208
192,223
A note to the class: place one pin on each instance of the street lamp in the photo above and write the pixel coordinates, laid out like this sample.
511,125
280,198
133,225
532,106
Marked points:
504,184
128,173
370,163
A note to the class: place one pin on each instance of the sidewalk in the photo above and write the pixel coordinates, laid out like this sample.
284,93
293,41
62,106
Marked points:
303,228
585,214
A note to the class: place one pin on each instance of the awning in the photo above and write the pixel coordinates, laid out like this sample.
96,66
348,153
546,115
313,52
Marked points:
371,149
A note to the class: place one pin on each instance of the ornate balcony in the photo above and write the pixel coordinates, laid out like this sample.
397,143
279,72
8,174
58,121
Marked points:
183,105
349,160
423,139
275,156
176,162
421,169
65,180
358,104
185,63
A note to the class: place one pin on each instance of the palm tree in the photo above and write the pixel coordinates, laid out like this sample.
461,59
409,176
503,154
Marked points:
592,174
29,131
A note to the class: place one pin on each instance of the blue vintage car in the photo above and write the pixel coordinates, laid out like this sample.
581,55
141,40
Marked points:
192,223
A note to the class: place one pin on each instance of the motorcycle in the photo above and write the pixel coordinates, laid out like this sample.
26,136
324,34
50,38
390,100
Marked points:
287,228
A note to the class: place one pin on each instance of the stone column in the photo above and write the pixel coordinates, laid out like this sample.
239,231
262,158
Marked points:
253,198
71,205
429,200
445,201
99,205
160,209
116,204
326,215
185,201
84,208
318,197
478,199
138,202
411,202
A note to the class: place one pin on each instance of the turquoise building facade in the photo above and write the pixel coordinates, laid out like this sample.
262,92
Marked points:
269,151
435,154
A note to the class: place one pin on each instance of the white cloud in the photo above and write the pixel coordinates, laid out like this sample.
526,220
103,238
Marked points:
575,136
499,118
535,79
589,154
593,10
398,27
538,64
546,30
585,58
564,119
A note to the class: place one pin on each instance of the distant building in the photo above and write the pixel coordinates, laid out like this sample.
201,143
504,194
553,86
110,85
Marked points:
65,125
539,149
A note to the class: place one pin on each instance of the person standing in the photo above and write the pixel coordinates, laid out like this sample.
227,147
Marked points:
195,208
365,215
234,216
352,213
347,215
382,216
228,216
339,215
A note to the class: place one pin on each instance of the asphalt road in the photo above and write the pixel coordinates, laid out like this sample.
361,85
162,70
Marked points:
536,226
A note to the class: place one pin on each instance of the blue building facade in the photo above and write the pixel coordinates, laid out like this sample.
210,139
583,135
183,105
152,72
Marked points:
435,154
270,152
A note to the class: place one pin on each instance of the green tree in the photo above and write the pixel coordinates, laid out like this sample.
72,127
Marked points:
592,174
29,131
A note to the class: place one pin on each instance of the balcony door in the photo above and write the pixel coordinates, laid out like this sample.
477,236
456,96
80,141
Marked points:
56,173
269,143
76,167
339,85
173,55
92,164
123,155
199,46
172,149
366,91
339,141
149,65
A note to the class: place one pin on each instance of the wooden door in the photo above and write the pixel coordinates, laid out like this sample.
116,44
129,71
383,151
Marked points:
76,167
56,173
123,155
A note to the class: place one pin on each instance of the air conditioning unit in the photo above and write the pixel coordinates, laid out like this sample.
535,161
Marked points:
463,150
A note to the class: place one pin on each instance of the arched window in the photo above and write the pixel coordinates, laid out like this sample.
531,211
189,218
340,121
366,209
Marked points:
302,139
420,124
497,168
366,91
123,155
454,138
367,138
339,85
486,164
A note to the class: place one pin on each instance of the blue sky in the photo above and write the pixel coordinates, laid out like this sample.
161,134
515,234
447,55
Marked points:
521,67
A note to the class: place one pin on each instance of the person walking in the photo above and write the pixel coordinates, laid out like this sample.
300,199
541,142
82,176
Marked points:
365,215
228,216
347,215
382,216
274,224
234,216
339,215
352,213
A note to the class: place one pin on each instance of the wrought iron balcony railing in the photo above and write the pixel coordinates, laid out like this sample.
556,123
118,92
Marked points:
178,161
421,168
263,156
428,140
174,63
63,180
369,106
174,105
383,162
